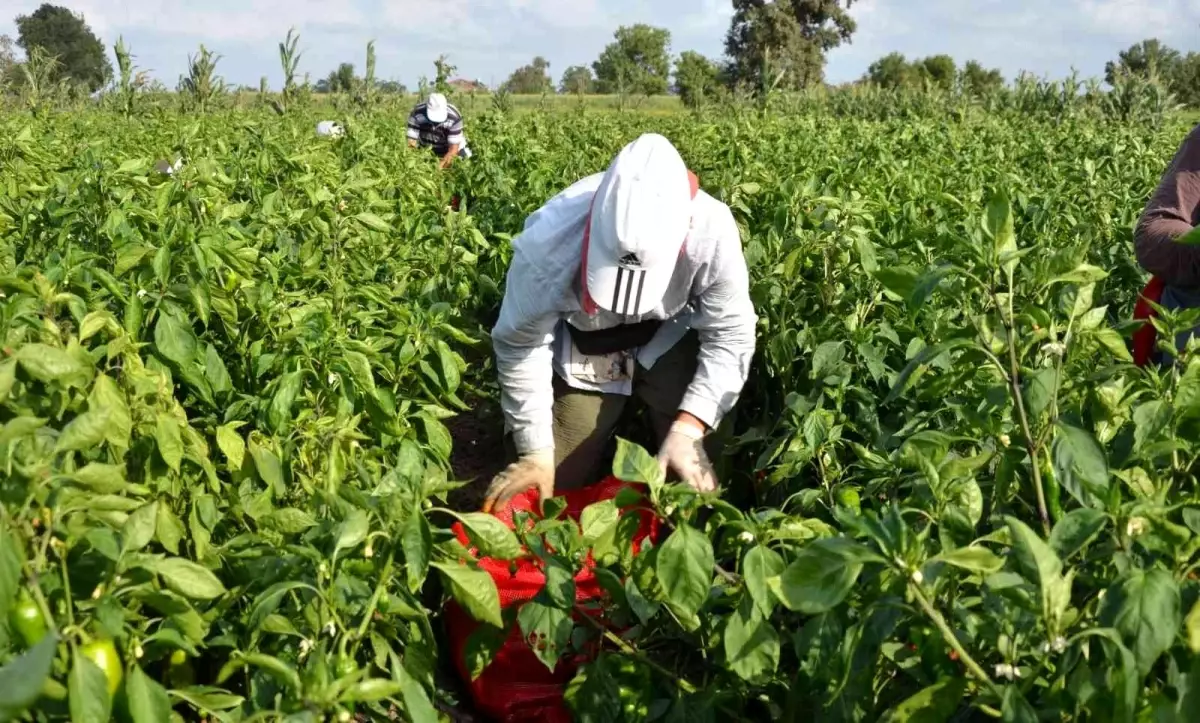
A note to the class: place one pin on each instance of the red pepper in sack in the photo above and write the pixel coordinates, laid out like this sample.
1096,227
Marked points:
516,686
1145,337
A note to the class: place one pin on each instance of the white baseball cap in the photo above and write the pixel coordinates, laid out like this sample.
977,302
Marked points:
436,108
639,221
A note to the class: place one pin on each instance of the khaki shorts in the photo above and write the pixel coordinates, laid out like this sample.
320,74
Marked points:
584,421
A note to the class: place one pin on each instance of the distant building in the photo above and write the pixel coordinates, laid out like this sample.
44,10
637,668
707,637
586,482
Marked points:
462,85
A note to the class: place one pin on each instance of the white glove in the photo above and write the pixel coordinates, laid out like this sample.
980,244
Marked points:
533,469
683,453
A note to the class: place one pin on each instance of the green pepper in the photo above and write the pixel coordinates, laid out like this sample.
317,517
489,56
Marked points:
1052,488
104,654
26,619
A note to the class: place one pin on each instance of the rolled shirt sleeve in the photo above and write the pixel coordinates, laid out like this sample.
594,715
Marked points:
1171,213
726,321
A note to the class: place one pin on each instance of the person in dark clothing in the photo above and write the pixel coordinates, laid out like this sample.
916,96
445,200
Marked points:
438,125
1173,211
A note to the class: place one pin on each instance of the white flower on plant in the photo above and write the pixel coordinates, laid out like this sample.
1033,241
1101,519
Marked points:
305,646
331,629
141,293
1005,440
332,378
746,537
138,651
1054,348
1007,672
1059,644
1135,526
917,576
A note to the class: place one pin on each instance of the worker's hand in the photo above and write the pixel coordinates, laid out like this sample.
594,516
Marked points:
533,470
683,453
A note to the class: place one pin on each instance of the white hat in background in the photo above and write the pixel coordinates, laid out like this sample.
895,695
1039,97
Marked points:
640,219
329,128
436,108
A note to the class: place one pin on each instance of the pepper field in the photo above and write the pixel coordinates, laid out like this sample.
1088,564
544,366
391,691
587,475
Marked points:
237,404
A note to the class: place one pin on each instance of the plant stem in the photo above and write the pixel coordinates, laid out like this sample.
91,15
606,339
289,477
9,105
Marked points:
951,639
633,652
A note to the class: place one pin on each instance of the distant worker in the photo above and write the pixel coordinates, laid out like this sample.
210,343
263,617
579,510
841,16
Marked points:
438,125
1172,212
628,283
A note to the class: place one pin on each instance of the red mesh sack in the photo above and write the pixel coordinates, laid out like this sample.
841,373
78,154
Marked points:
1146,336
516,686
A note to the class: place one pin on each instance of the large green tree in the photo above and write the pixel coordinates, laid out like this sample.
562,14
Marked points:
696,78
783,43
978,80
1144,59
65,36
638,61
531,79
891,71
940,70
577,79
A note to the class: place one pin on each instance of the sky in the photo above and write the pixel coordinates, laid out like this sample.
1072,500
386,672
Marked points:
487,39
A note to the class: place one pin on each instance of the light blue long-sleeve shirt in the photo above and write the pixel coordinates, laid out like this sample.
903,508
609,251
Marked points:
709,292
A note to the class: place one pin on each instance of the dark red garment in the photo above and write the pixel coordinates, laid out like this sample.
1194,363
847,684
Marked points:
516,686
1146,337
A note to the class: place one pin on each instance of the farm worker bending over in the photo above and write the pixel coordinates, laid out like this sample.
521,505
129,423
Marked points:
438,125
629,282
1173,211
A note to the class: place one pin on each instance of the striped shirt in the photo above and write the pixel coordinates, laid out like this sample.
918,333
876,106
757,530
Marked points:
709,292
439,136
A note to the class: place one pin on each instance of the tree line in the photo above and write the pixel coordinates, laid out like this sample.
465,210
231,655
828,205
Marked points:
769,46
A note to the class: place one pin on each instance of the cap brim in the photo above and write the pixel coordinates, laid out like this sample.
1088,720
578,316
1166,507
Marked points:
436,117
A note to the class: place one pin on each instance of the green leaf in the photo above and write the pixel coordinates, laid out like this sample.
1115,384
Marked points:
474,590
684,566
289,521
174,339
169,529
108,396
828,360
50,364
100,478
279,413
998,225
1079,465
819,578
1076,530
276,668
1187,394
373,222
448,366
560,584
352,531
481,647
170,440
935,704
1191,626
1040,388
760,564
751,643
86,431
972,558
232,445
1150,420
1035,558
417,542
371,691
493,538
1144,607
634,464
186,577
360,370
138,530
1112,341
10,569
598,521
87,688
22,678
215,371
1082,274
268,466
148,701
268,601
548,630
417,707
1015,709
